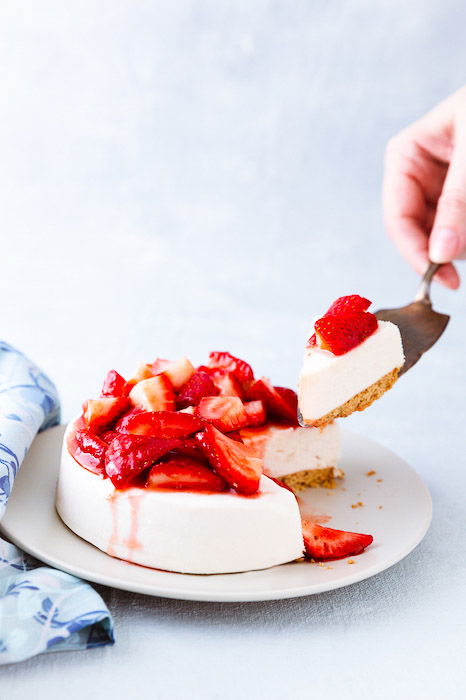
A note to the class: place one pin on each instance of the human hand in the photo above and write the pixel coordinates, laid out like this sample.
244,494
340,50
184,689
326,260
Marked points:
424,190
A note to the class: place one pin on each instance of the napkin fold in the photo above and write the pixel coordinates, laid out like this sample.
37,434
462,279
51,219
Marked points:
41,609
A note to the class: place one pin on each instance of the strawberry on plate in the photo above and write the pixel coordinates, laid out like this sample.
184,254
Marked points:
324,543
256,412
99,414
153,394
128,455
162,424
184,474
225,412
242,371
89,451
115,385
195,389
178,371
276,404
348,304
232,460
342,333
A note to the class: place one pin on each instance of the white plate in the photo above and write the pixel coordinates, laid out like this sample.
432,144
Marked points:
397,511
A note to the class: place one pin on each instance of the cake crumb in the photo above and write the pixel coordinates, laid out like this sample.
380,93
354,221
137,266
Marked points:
379,481
351,561
371,472
329,567
320,563
359,504
380,507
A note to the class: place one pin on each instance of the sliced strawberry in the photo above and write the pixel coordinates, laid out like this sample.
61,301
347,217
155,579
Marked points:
128,455
234,435
312,342
225,412
227,383
256,412
185,474
242,371
99,414
108,436
189,447
348,304
233,461
162,424
274,402
178,371
257,438
121,422
114,385
288,395
195,389
323,543
339,334
153,394
142,372
89,451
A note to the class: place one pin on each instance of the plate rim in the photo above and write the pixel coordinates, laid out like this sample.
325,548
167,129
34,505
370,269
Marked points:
222,595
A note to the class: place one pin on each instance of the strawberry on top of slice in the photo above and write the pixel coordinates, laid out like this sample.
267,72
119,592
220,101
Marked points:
324,543
184,474
232,460
345,325
348,304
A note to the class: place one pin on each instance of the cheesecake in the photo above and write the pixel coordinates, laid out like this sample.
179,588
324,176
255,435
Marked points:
351,359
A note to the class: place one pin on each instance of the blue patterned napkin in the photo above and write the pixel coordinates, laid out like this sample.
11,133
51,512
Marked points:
41,609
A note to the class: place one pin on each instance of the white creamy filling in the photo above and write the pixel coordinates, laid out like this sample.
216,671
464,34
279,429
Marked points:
328,380
181,531
298,449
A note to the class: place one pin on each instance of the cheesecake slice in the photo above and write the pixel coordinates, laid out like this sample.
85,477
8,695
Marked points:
350,360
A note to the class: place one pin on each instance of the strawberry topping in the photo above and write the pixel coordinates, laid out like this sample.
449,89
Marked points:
128,455
274,402
162,424
178,371
225,412
324,543
115,385
232,460
339,334
256,412
99,414
195,389
153,394
348,304
242,371
186,474
225,381
89,451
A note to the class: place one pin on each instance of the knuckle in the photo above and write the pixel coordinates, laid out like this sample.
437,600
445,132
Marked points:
453,200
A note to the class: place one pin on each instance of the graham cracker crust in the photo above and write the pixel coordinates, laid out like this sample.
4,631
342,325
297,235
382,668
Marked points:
313,478
360,401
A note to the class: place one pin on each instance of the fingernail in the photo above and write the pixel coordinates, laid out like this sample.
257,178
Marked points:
444,245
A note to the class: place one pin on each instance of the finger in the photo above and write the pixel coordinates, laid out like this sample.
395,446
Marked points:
448,238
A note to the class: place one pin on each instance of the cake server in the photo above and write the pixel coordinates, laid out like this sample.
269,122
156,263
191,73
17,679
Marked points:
420,326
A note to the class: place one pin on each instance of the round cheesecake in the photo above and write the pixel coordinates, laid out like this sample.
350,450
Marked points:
181,531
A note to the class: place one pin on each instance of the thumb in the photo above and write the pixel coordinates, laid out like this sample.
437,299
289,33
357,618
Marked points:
448,238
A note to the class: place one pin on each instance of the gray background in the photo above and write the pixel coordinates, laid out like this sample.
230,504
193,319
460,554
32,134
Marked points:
183,176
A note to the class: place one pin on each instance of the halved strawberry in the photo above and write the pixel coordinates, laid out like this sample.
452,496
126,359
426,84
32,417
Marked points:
128,455
256,412
89,451
312,342
348,304
115,385
225,412
323,543
242,371
226,381
232,460
185,474
99,414
121,422
162,424
339,334
153,394
108,436
274,402
195,389
189,447
178,371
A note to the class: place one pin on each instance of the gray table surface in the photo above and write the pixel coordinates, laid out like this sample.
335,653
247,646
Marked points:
186,176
